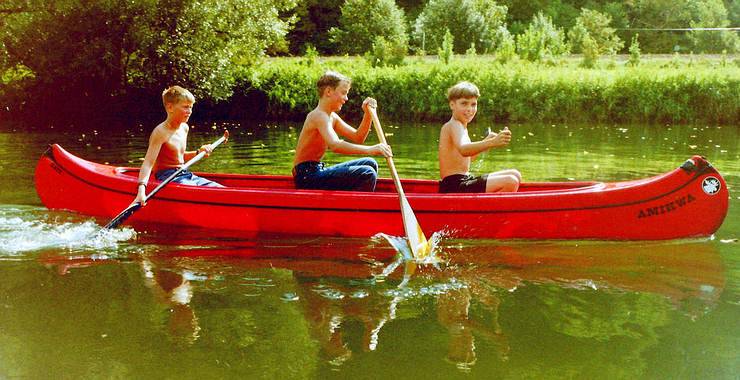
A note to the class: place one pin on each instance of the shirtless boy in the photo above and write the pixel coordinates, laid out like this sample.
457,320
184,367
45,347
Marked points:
456,150
321,131
166,152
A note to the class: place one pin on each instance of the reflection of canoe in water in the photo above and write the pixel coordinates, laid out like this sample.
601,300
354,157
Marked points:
690,201
675,270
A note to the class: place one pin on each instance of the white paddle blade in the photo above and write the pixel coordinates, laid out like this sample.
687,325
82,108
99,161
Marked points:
417,240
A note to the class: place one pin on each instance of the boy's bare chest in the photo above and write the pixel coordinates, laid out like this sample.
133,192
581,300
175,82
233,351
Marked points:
176,141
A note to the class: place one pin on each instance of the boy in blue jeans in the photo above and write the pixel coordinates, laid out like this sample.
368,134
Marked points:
321,131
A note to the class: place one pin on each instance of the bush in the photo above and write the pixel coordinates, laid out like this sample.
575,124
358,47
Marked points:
364,20
521,92
541,40
446,50
386,53
469,21
594,25
634,59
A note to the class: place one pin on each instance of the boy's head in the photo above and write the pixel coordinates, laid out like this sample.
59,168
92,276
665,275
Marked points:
462,90
331,80
175,94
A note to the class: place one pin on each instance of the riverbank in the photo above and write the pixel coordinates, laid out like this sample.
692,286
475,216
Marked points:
661,89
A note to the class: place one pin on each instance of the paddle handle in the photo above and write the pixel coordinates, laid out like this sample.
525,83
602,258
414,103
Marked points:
381,138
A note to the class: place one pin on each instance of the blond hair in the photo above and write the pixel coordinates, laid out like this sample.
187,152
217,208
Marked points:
175,94
463,89
330,79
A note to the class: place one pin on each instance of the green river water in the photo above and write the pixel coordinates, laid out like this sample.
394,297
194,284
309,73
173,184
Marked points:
139,304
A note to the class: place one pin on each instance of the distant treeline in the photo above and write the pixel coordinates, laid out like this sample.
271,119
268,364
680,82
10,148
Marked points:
75,59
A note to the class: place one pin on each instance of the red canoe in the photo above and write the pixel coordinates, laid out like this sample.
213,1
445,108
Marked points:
690,201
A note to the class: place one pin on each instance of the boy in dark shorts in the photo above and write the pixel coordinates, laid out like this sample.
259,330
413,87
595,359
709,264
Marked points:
456,150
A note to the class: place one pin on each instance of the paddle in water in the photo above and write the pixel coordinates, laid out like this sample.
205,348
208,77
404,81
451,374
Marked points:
130,210
417,240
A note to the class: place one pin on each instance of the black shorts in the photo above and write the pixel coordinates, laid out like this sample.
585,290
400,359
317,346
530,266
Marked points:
463,183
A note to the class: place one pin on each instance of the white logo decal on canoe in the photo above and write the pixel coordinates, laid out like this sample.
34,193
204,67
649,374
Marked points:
667,207
711,185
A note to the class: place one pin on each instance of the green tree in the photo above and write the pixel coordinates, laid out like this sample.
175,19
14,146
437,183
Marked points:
505,45
469,21
364,20
99,48
635,54
541,40
712,14
446,51
594,25
314,19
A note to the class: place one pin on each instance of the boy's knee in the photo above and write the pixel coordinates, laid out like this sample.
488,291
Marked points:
511,182
367,176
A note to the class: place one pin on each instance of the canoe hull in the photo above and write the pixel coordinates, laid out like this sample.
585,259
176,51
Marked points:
687,202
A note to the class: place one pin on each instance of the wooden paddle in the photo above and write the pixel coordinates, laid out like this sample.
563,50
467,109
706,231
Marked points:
417,240
130,210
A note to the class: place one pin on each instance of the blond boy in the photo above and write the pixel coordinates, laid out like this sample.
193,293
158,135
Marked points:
166,152
456,150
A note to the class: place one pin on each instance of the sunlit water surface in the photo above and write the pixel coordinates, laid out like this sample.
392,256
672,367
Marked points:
78,303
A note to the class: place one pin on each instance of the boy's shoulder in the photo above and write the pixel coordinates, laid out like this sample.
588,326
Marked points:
318,116
452,124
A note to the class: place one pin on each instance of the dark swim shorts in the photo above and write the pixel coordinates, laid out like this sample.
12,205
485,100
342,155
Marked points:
463,183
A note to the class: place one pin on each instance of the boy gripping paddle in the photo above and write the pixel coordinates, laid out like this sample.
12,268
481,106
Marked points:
166,152
456,150
321,131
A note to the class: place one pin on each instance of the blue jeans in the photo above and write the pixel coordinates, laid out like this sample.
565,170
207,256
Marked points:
186,177
358,175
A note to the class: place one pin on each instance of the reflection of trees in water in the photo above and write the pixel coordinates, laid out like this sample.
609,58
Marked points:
539,310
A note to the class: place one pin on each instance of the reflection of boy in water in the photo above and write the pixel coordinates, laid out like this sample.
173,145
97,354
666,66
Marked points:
326,309
453,312
174,290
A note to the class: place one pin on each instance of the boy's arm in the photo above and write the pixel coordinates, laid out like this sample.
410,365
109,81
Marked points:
471,149
156,139
358,135
326,125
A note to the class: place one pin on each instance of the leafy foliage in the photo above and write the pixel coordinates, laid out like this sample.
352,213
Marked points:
363,20
386,53
469,21
541,40
519,91
594,25
446,50
634,59
103,48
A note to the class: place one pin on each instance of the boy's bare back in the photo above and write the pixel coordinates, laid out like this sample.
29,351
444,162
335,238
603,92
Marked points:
311,145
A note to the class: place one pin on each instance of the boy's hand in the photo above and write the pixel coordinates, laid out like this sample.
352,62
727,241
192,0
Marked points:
205,148
499,139
383,149
369,102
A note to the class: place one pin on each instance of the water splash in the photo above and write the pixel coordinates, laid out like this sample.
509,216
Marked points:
28,229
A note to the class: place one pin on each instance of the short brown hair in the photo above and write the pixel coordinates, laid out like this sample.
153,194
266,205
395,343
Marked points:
463,89
330,79
175,94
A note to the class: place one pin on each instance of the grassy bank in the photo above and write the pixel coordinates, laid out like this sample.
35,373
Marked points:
662,89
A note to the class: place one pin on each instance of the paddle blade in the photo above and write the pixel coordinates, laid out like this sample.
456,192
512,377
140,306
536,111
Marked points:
417,240
125,214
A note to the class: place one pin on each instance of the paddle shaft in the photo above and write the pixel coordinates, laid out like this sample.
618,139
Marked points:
410,224
131,209
186,166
